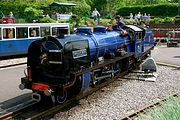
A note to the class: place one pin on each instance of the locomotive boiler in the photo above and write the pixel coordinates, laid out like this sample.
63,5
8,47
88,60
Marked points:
63,66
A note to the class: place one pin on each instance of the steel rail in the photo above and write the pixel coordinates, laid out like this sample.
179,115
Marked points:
18,110
168,65
12,65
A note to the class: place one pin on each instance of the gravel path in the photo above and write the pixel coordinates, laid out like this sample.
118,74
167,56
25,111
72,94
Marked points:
120,98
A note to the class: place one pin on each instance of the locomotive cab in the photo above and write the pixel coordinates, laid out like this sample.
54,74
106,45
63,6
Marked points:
136,34
143,40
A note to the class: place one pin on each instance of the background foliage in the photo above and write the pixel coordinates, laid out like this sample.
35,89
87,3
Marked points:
165,9
33,9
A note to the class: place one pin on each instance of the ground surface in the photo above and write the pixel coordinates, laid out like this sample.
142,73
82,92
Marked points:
170,55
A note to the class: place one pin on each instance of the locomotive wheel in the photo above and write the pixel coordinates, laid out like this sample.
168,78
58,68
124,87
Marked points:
118,67
61,99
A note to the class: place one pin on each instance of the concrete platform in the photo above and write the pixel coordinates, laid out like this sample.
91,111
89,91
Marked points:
169,55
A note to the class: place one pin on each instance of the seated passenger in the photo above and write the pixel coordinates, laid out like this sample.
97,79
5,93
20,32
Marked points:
33,33
10,33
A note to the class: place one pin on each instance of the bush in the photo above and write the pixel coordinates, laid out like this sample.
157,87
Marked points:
177,20
62,21
168,20
156,21
46,20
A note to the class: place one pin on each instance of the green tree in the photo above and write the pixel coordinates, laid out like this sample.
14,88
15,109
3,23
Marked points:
32,13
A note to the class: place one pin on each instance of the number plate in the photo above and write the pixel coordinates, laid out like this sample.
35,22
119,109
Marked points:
79,53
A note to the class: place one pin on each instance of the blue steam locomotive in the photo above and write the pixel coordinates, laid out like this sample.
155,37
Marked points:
63,66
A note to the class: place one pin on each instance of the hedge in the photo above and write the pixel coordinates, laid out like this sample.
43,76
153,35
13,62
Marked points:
166,9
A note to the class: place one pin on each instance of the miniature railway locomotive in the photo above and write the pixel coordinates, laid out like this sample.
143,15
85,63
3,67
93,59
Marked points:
65,66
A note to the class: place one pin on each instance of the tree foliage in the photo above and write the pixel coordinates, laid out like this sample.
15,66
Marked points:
107,8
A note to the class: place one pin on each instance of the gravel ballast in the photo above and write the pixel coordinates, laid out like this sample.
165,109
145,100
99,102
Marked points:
123,97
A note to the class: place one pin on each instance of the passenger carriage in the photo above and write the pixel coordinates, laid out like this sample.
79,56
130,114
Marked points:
16,38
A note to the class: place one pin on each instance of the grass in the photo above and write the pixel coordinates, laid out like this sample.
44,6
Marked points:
170,110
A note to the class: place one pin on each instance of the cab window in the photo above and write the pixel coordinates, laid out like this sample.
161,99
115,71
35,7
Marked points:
22,32
54,31
8,33
131,34
45,31
34,32
59,30
139,36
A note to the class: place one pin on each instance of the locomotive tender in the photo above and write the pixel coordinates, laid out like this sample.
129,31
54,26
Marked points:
64,66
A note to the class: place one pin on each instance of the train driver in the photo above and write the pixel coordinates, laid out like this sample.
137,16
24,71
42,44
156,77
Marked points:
120,22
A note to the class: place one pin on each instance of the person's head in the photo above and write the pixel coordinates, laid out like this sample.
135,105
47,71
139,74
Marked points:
117,17
95,9
10,12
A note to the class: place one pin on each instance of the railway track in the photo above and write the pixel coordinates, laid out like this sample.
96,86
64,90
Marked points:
39,112
147,108
168,65
12,62
14,111
12,65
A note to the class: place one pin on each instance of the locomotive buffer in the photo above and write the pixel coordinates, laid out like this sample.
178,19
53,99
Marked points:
147,72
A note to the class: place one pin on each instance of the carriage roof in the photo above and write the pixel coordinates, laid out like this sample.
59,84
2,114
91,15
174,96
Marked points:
35,24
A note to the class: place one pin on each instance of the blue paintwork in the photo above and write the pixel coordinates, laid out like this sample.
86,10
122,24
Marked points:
86,77
101,43
138,48
148,40
69,38
15,46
